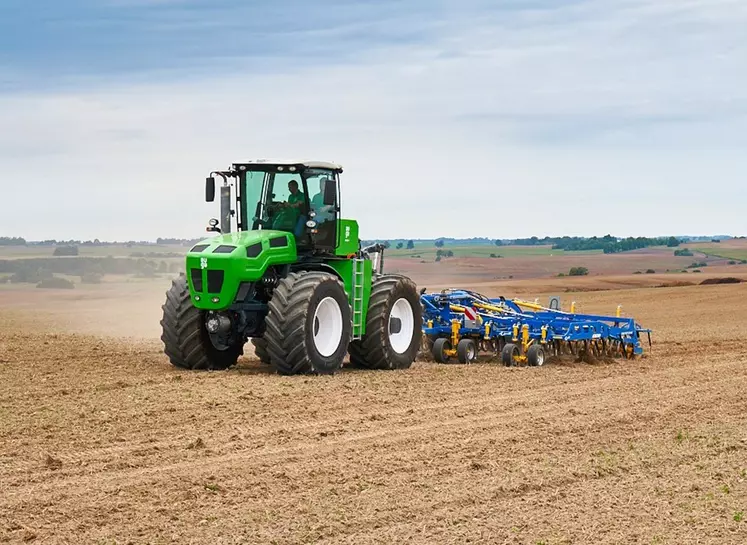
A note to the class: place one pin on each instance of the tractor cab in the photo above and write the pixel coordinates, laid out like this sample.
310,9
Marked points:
298,197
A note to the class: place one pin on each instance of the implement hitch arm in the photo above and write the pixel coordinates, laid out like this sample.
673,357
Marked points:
377,249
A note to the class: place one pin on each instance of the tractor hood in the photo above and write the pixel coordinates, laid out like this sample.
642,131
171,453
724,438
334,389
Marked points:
242,239
217,266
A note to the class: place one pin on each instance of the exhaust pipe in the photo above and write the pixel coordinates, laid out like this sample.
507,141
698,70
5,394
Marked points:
225,209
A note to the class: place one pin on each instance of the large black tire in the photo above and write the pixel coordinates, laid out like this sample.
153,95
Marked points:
186,340
260,350
375,350
291,324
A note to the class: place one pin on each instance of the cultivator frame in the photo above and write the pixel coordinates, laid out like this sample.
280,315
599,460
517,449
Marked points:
462,323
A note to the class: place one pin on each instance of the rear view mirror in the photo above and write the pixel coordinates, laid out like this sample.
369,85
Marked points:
209,189
330,192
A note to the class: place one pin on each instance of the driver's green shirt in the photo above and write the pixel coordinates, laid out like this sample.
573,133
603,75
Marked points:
286,218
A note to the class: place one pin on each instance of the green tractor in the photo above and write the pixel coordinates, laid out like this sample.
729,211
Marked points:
293,278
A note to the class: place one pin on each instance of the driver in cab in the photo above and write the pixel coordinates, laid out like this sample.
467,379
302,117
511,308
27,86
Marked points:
290,211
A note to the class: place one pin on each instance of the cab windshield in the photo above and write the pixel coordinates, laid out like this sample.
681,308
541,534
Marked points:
283,200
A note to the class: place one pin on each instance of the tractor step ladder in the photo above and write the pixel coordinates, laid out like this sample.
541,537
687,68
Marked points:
359,273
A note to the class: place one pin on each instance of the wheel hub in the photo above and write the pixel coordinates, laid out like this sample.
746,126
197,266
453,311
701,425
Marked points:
327,327
401,325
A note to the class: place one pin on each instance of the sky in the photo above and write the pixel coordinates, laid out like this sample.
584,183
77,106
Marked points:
466,118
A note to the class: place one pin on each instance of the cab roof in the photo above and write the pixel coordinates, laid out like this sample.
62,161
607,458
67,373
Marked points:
288,163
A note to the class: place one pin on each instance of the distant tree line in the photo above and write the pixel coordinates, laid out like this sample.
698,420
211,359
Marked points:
20,241
12,241
178,241
608,244
92,268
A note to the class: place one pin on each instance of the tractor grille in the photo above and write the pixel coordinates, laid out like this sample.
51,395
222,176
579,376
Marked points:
196,276
215,281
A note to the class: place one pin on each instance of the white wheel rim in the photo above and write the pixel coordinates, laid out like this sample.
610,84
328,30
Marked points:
327,326
540,357
400,340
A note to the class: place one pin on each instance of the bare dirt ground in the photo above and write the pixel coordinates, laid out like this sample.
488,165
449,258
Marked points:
103,441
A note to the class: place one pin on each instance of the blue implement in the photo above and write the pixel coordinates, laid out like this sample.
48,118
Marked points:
521,331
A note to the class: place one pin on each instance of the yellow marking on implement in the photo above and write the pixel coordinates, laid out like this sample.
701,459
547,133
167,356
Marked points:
619,310
454,333
487,330
491,308
527,304
544,334
515,336
573,307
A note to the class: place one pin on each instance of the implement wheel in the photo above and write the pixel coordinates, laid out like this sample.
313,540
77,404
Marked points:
308,324
466,351
510,355
393,325
536,355
187,342
439,350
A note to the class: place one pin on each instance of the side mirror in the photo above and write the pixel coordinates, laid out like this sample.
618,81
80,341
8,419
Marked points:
209,189
330,192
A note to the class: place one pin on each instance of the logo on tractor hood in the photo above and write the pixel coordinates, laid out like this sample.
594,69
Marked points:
203,263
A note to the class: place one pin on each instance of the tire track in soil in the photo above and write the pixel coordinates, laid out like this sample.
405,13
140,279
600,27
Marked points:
474,402
466,498
492,416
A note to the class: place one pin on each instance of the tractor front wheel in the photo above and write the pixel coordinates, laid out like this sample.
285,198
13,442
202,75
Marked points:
393,325
187,342
308,324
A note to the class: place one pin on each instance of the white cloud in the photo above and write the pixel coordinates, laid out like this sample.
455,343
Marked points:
624,116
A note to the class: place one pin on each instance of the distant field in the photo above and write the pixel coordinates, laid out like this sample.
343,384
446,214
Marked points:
428,251
13,252
425,251
726,253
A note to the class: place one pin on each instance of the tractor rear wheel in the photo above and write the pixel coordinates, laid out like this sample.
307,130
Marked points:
186,340
393,325
260,349
308,326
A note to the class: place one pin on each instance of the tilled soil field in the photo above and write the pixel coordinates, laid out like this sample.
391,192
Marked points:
103,441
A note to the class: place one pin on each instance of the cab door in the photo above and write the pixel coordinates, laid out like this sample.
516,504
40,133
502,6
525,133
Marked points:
324,189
